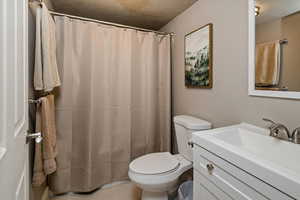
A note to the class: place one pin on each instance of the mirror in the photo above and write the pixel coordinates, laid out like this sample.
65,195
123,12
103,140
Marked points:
276,47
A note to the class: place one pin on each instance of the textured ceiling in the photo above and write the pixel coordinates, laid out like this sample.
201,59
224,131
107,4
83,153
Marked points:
275,9
150,14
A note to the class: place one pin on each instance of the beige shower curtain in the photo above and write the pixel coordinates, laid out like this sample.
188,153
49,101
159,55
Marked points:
113,105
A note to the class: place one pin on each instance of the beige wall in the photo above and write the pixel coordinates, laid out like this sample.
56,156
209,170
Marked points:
31,36
269,31
291,57
228,102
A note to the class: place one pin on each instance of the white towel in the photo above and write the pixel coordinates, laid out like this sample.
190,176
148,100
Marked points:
46,76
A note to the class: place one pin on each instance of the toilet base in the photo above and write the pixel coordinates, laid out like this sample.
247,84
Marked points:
154,195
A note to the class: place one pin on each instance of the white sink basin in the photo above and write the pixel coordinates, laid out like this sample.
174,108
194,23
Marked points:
274,161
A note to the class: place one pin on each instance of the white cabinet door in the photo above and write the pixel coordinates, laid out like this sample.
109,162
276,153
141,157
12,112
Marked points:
13,100
233,181
205,190
203,193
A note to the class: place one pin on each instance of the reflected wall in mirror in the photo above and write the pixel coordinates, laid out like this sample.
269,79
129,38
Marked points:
277,63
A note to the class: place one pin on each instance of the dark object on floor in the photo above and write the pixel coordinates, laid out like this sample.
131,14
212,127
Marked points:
185,191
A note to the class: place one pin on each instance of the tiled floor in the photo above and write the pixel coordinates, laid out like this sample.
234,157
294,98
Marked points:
125,191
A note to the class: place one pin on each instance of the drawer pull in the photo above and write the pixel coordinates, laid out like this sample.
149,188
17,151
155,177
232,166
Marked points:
210,167
191,144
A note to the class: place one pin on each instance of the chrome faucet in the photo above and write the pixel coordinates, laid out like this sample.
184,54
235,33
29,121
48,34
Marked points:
296,136
276,129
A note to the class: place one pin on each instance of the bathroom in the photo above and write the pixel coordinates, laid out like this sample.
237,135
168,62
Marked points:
168,135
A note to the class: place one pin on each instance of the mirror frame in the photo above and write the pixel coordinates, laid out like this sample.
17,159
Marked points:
251,62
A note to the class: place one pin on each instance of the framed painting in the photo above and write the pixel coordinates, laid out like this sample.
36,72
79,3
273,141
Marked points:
199,58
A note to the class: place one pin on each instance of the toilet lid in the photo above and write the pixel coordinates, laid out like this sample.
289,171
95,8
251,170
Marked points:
154,163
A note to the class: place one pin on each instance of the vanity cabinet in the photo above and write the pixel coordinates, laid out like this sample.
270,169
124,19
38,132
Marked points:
217,179
206,190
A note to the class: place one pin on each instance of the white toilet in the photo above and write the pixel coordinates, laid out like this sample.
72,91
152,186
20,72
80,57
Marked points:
157,173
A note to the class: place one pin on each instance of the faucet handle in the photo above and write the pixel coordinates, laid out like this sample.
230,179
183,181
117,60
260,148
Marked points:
273,124
275,128
269,120
296,136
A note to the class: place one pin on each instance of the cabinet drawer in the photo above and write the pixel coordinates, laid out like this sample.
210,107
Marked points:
205,190
235,182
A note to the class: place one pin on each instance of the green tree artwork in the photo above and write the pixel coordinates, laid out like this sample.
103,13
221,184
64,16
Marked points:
198,58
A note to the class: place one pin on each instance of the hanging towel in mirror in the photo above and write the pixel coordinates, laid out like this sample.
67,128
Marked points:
46,76
267,70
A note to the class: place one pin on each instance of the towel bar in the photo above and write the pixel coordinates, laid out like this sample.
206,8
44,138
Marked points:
32,101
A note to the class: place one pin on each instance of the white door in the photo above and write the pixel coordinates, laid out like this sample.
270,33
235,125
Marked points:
13,100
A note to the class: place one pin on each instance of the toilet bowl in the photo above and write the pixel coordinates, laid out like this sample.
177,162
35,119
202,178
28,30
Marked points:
157,174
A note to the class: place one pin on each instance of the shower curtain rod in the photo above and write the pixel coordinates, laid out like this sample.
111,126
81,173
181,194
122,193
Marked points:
104,22
110,23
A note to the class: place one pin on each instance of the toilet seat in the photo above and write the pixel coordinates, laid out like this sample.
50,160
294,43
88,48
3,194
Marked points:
166,181
155,163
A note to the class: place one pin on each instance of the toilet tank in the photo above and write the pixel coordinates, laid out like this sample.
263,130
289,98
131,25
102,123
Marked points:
184,127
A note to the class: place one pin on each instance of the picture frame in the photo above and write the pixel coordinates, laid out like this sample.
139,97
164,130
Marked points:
198,58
